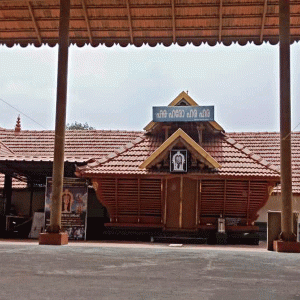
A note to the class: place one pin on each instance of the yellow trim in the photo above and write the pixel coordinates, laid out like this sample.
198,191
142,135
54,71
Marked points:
171,140
186,97
216,125
191,102
149,126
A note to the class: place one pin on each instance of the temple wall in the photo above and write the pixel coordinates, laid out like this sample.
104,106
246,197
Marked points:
274,203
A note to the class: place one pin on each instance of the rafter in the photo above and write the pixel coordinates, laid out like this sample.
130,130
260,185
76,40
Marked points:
263,21
173,21
36,28
86,17
220,20
129,21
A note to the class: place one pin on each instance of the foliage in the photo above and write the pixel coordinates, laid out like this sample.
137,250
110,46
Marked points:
79,126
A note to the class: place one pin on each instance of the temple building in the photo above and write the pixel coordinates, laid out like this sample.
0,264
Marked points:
182,173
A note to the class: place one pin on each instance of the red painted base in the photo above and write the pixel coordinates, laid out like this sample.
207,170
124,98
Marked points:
53,238
282,246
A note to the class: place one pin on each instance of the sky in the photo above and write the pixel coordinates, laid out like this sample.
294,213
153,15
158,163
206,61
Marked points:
116,88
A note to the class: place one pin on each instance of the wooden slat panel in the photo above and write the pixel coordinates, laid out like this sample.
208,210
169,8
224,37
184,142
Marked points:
107,195
127,196
212,198
150,197
258,197
236,198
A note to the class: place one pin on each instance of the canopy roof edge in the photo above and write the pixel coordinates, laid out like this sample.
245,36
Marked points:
107,22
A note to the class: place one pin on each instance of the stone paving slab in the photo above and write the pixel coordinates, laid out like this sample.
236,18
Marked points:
123,270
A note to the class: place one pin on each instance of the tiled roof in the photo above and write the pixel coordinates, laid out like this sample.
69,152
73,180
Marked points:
16,184
83,145
234,159
267,144
4,150
80,145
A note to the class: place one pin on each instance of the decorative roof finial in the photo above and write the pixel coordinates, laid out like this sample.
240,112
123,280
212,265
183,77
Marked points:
18,124
187,92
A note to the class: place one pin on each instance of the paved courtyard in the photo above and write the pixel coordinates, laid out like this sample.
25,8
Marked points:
145,271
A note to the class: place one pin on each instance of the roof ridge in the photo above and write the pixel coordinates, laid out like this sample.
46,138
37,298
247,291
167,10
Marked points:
251,154
93,163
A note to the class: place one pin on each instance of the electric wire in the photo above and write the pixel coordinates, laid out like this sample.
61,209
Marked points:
290,132
23,113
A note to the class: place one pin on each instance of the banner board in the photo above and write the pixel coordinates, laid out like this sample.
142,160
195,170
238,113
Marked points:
74,207
183,113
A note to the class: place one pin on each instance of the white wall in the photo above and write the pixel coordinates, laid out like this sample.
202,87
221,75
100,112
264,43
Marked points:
274,203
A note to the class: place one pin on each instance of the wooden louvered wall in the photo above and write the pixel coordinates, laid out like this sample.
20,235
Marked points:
132,200
236,199
141,201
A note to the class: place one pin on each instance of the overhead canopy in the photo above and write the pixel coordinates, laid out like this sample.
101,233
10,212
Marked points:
146,21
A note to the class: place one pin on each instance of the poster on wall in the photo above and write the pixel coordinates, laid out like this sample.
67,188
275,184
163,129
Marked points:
74,207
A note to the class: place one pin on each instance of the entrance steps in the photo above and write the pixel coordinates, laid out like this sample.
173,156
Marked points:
179,238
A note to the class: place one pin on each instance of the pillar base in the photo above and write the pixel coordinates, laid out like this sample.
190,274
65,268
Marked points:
53,238
283,246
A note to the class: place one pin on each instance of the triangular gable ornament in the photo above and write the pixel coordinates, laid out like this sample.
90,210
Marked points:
190,145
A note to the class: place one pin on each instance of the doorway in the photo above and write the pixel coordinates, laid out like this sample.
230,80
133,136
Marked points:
181,203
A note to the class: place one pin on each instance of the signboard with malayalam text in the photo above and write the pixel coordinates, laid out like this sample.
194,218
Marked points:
74,207
183,113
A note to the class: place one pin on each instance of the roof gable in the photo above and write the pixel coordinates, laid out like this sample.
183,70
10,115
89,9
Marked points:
183,96
188,142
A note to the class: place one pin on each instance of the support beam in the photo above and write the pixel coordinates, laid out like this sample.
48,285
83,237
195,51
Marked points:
285,121
7,193
31,187
220,20
173,21
36,28
129,21
263,21
86,16
60,124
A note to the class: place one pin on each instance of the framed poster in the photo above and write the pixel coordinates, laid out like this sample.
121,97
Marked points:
74,207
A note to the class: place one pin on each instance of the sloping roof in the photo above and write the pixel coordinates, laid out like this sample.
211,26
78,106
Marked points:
146,21
16,184
235,160
4,150
190,144
80,145
84,145
267,144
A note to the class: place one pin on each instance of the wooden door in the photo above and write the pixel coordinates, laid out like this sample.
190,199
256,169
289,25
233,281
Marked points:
189,203
173,203
181,205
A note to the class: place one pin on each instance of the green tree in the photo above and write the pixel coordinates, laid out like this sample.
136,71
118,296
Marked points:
79,126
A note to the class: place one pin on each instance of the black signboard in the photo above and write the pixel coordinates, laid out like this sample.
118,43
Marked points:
178,161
